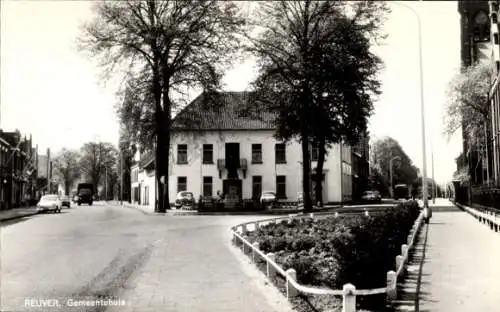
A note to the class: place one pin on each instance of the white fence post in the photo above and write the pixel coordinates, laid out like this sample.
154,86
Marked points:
254,253
244,230
399,262
336,214
391,285
291,292
404,250
367,214
408,239
257,226
271,273
349,298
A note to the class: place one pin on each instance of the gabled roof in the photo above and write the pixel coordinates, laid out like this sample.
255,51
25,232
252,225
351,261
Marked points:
223,111
147,160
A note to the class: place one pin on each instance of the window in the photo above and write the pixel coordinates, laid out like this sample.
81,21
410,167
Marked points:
314,153
256,153
207,186
182,154
208,154
280,153
135,175
256,187
181,184
281,186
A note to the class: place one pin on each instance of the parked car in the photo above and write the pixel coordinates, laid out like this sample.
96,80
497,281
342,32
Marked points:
184,198
65,201
401,191
371,196
49,203
268,198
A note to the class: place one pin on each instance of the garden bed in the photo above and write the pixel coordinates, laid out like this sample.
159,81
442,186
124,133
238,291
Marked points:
329,252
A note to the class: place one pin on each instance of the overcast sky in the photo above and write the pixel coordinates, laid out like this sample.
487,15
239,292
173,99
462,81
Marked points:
52,91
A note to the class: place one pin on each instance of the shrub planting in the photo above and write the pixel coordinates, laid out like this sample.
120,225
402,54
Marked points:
332,251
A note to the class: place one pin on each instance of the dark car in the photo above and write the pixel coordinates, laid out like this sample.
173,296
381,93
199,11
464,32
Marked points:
184,199
65,201
85,197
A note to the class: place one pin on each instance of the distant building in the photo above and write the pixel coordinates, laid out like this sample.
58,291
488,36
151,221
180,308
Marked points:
45,183
17,170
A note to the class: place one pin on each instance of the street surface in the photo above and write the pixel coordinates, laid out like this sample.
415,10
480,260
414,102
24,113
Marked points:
141,262
148,262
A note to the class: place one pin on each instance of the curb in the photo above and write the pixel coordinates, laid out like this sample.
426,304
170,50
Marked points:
18,217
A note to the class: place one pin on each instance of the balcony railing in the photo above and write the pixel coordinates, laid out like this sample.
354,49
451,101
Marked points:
224,164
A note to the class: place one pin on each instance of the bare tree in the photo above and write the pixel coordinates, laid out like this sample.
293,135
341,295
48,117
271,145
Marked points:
172,45
96,157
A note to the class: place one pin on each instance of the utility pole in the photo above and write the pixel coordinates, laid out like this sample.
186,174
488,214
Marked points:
433,181
106,183
121,177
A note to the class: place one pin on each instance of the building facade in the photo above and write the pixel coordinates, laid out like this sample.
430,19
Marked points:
250,161
495,94
17,171
218,150
476,46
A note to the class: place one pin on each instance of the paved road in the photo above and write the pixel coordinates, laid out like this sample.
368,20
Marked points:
460,270
152,263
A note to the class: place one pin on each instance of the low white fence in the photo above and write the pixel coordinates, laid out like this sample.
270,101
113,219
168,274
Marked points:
488,217
349,291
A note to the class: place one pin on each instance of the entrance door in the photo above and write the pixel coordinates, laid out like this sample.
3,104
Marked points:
232,188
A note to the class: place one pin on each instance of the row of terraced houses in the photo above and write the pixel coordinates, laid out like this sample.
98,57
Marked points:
218,150
480,42
24,174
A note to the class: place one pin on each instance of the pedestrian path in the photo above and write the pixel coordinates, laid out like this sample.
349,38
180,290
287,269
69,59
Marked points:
195,268
15,213
460,270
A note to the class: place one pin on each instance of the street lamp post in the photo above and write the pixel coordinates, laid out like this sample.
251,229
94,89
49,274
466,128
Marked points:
427,210
390,170
105,183
433,181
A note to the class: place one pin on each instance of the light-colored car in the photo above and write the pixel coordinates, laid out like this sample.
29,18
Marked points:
184,198
268,198
371,196
49,203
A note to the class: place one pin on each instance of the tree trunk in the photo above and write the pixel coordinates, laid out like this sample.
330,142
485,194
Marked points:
66,187
319,171
306,173
166,121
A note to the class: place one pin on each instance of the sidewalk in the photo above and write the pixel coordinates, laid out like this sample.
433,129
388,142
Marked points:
460,270
16,213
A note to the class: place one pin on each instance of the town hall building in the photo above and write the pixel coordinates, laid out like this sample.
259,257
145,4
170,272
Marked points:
213,148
